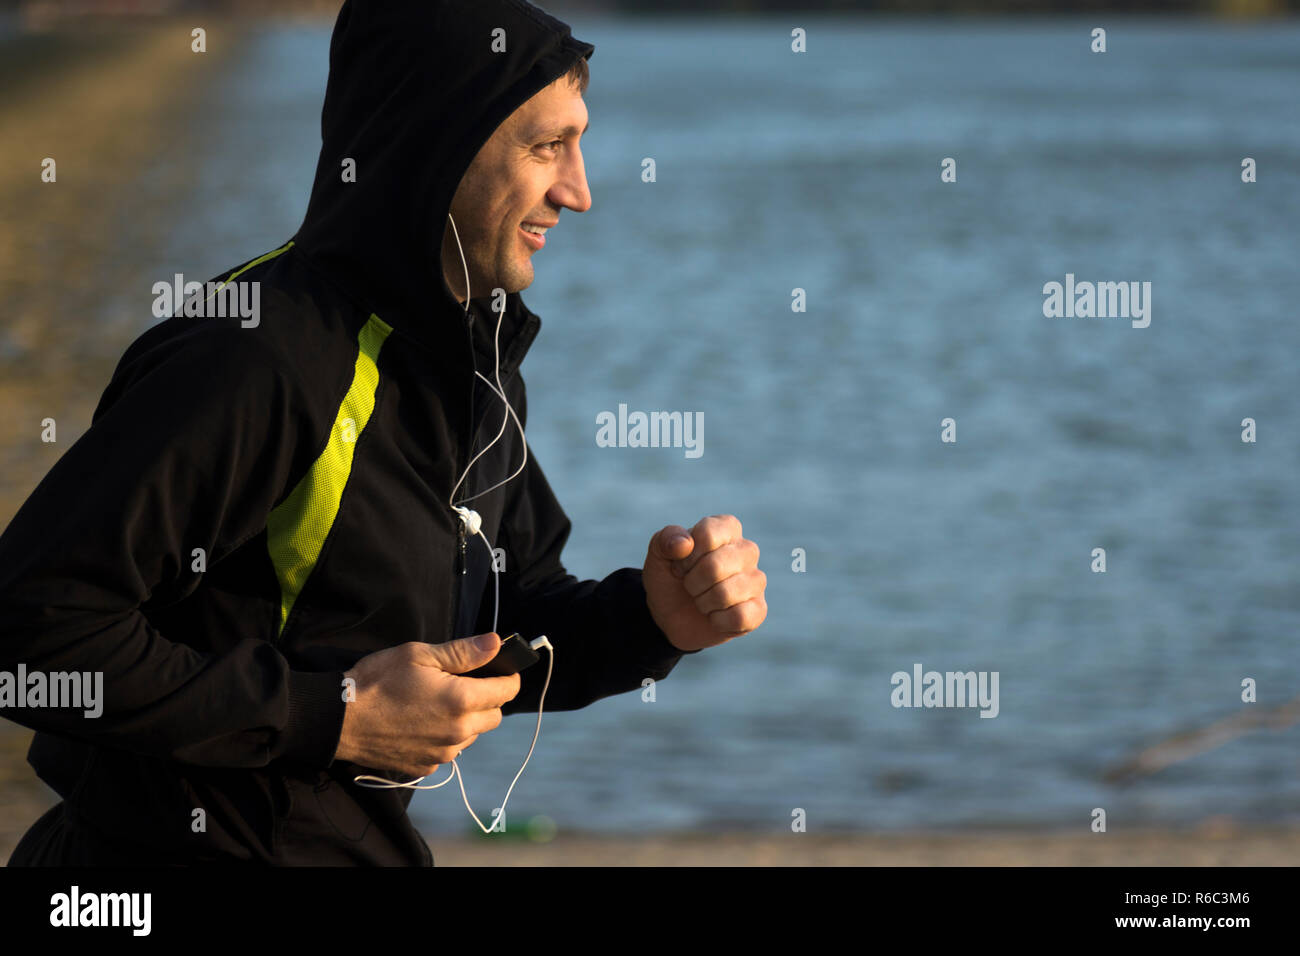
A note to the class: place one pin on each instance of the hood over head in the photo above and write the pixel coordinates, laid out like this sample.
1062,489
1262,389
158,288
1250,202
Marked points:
415,89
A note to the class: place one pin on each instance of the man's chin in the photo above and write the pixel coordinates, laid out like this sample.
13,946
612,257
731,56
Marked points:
521,279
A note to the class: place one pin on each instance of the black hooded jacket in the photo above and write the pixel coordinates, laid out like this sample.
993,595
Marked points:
254,509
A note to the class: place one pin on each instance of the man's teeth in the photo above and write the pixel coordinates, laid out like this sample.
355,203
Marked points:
535,230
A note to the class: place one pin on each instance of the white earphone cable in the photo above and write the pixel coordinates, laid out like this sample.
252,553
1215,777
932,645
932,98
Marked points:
499,390
471,521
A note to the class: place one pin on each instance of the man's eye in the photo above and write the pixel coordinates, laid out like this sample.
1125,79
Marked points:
557,143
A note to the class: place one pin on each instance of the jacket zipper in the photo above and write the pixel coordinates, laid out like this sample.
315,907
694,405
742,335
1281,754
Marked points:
457,580
462,558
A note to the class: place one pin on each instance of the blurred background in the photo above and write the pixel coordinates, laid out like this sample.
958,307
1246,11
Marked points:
820,171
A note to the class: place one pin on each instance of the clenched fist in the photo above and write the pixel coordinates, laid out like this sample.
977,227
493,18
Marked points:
703,586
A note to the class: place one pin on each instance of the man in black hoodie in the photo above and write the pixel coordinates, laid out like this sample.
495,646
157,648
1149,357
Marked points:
261,542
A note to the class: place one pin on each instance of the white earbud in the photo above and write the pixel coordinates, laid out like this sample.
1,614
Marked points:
470,519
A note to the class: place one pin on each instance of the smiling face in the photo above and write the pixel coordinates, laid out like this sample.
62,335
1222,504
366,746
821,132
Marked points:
528,171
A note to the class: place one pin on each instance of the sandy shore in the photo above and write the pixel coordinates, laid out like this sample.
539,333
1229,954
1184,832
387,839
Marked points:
1209,847
1206,847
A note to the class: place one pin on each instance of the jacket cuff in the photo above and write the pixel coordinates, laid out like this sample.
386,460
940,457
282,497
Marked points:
647,644
315,724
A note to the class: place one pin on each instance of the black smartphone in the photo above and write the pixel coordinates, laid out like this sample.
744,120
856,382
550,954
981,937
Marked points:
513,656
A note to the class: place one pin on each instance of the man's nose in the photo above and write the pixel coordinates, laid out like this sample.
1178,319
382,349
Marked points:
571,191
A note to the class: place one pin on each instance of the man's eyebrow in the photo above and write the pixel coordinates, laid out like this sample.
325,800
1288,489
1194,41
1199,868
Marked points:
560,132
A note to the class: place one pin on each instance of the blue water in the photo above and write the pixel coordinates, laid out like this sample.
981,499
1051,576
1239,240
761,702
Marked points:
821,171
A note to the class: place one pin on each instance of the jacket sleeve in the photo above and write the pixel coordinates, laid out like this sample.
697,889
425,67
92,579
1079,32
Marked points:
189,448
606,641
